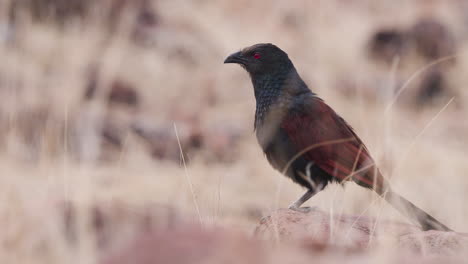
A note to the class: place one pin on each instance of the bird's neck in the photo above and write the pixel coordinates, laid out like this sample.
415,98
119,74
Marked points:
274,93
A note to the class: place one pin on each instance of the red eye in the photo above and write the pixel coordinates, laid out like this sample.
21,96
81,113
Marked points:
256,55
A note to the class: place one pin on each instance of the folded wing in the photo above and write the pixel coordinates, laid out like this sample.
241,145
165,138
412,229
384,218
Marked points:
324,138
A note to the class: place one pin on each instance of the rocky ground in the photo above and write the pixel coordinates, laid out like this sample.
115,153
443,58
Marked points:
123,137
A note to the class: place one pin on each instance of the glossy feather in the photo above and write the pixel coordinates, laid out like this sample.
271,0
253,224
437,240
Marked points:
330,143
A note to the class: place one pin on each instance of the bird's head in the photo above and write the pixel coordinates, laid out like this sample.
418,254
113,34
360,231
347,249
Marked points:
261,59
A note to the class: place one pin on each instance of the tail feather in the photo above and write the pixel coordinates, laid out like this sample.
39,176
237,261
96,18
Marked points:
407,208
412,211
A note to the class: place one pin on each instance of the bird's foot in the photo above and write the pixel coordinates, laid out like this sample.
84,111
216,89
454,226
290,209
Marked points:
304,209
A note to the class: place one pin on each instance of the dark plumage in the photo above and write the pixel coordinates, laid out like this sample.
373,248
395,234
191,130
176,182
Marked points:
305,139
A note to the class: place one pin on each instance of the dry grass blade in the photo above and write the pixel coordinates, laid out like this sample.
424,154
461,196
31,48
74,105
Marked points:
416,74
59,110
187,177
415,139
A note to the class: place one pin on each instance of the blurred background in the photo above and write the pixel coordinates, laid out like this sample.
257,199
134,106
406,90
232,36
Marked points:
115,112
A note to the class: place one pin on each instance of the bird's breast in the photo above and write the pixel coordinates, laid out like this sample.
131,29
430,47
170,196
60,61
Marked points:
268,119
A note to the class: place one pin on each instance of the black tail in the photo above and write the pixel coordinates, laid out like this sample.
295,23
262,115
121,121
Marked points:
412,211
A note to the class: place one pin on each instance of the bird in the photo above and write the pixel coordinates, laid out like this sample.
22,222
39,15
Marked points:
306,140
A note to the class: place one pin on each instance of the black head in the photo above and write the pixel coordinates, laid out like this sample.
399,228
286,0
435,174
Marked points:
259,59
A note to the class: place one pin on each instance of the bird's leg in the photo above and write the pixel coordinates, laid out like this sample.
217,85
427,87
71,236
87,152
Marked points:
296,206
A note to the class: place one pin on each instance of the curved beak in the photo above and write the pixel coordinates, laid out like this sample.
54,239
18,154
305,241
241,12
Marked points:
236,58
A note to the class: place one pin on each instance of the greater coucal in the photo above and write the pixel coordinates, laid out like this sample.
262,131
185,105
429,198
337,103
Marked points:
305,139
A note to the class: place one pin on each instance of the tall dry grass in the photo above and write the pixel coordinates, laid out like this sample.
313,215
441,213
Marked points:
51,151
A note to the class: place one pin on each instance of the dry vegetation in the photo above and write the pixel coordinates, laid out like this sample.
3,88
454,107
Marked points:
92,101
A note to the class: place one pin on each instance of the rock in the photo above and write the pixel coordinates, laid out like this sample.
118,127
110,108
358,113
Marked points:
433,87
387,43
320,229
119,92
430,43
185,241
217,142
433,39
189,244
142,14
103,219
435,242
